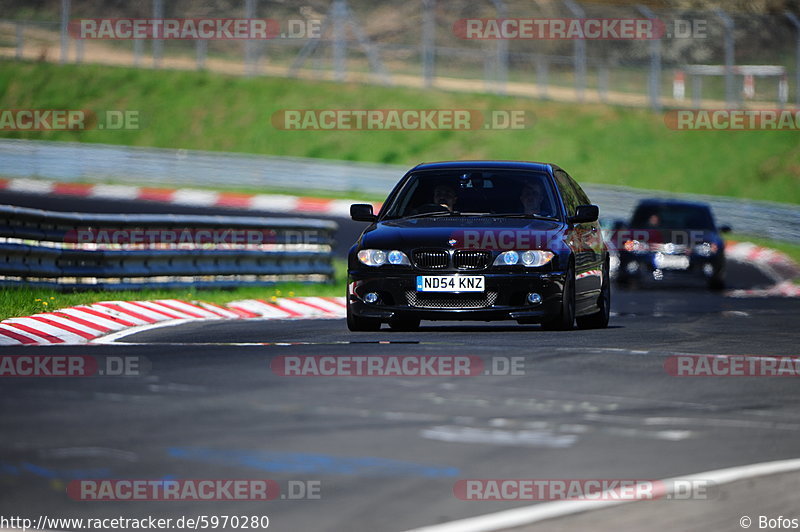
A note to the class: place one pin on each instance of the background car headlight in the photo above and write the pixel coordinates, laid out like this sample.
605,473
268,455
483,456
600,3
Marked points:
529,258
636,246
705,249
379,257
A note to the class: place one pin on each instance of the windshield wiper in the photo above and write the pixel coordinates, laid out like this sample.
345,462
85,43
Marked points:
427,215
523,215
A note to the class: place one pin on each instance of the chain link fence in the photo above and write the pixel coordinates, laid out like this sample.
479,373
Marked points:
711,58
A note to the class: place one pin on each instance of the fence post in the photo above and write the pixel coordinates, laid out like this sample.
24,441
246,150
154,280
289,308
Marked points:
339,15
793,18
580,52
697,89
158,44
201,50
501,68
65,8
20,32
428,41
730,90
541,75
654,80
249,60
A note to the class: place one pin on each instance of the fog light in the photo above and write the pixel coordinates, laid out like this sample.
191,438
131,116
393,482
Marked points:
534,298
371,297
658,275
708,270
632,267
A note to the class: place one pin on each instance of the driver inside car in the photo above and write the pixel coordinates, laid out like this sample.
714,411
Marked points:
446,196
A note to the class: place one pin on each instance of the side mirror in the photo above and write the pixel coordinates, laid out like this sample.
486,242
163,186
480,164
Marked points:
725,229
362,212
585,214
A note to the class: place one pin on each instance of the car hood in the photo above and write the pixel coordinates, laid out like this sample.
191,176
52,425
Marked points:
467,231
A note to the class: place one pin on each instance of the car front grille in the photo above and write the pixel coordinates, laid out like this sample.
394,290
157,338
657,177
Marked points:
454,301
669,249
431,259
471,260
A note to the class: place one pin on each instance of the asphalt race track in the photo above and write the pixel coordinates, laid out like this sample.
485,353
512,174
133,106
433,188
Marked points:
387,451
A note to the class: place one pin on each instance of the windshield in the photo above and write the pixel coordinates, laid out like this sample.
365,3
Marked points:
672,217
472,192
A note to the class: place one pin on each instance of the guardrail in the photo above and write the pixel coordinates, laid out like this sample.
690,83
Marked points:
129,251
72,161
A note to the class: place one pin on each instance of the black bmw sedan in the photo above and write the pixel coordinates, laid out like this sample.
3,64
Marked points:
480,240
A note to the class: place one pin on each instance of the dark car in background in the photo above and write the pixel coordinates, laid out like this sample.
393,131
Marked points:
480,240
670,238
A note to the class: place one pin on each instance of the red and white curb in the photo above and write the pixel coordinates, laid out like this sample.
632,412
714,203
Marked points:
776,265
86,323
282,203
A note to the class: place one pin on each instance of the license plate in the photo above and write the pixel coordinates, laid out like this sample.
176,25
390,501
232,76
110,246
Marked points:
671,262
450,283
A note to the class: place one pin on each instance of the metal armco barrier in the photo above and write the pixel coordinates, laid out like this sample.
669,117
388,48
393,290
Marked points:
64,250
72,161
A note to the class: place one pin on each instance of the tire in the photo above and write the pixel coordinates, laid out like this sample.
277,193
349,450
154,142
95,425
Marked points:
356,324
405,324
565,320
599,320
715,284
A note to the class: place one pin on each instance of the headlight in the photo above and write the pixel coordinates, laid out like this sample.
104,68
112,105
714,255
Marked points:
398,257
636,246
379,257
533,259
705,249
529,258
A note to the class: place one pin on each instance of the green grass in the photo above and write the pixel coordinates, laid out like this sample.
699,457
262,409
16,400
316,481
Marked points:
24,301
595,143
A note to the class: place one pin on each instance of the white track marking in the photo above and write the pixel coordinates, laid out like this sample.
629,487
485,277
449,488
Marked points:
528,515
68,323
31,186
187,307
117,314
109,324
161,308
188,196
52,330
123,192
275,203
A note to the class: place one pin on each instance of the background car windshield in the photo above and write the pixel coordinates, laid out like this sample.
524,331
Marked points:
672,217
468,191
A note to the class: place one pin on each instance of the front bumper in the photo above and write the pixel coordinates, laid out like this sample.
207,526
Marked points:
504,297
638,265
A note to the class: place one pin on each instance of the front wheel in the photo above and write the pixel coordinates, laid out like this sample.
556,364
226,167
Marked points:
565,319
356,324
599,320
